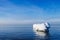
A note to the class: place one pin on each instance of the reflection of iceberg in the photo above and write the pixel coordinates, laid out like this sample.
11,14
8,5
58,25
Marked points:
41,35
41,27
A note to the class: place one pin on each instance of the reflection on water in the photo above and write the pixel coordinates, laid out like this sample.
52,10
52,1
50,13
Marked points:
41,35
26,32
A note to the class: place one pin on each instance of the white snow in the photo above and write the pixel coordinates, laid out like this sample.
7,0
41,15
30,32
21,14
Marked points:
42,26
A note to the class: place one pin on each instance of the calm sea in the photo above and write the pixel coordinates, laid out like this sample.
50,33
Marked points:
26,32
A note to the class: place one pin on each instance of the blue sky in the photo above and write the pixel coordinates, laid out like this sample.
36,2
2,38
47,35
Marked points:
29,11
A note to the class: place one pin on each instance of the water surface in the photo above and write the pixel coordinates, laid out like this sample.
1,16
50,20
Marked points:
26,32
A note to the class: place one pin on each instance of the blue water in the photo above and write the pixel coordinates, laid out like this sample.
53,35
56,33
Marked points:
26,32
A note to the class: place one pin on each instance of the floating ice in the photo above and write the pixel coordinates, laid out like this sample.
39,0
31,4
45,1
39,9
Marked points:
41,27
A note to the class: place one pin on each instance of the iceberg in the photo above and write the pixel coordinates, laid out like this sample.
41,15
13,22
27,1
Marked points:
43,27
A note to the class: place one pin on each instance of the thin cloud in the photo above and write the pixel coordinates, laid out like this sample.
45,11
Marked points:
13,14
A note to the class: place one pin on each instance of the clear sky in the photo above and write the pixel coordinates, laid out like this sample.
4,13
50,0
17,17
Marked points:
29,11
